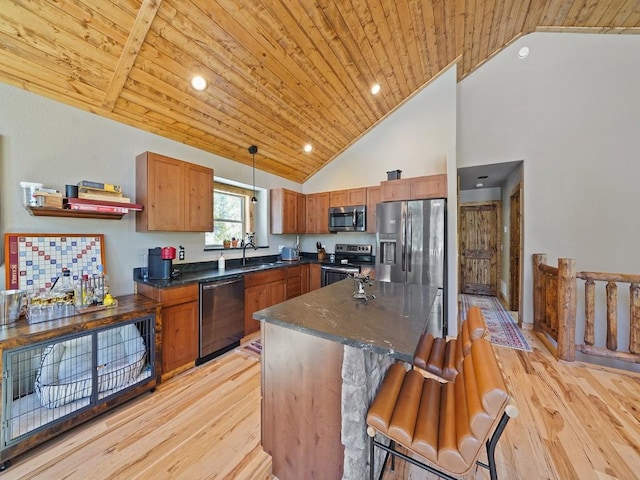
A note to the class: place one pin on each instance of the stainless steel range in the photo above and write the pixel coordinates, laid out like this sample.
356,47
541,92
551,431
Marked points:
349,259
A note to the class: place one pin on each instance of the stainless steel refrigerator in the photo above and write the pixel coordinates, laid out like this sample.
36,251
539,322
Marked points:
411,245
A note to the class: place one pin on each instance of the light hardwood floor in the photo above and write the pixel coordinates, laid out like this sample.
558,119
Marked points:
576,422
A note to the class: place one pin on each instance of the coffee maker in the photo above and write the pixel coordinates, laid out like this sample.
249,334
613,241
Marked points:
161,262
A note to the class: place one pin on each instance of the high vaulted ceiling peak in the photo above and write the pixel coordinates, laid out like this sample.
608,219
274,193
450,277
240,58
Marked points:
281,73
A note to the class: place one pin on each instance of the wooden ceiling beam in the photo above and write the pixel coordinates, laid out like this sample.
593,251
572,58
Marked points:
130,51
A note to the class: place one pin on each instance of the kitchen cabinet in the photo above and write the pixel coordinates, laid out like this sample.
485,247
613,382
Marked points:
350,197
180,331
262,290
374,196
177,195
431,186
304,278
317,212
414,188
285,214
315,276
294,282
302,212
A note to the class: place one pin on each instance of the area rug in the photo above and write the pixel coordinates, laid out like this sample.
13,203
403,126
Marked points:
502,328
251,349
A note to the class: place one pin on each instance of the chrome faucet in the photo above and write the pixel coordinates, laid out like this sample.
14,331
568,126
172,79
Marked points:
248,243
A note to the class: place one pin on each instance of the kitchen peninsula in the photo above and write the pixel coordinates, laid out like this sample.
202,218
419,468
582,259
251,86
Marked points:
324,355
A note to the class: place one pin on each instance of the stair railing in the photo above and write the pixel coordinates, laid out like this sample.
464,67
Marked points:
555,309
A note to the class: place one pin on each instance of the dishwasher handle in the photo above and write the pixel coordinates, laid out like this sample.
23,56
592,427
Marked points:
221,283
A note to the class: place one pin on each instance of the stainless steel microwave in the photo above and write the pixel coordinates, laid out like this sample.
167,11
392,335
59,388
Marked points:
348,219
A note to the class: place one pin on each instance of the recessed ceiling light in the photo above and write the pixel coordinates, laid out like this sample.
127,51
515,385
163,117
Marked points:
375,89
482,177
523,52
308,147
199,83
479,185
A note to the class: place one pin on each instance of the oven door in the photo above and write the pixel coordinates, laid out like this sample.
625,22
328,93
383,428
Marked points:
335,274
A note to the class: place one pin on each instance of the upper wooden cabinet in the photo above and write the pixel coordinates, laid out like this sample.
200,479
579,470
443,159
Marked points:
415,188
177,195
317,213
374,196
284,211
432,186
350,197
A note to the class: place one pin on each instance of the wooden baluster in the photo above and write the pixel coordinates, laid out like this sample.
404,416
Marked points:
634,318
589,311
612,316
552,304
538,290
566,309
544,319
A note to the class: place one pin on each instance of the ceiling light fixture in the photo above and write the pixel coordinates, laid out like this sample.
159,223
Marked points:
308,147
482,177
523,52
479,185
198,83
253,150
375,89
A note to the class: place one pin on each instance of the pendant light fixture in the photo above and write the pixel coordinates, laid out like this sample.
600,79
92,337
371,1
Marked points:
253,150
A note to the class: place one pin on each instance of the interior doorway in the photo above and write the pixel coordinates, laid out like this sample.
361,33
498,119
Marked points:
479,227
515,249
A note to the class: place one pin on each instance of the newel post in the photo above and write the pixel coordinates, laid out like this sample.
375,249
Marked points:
538,294
567,306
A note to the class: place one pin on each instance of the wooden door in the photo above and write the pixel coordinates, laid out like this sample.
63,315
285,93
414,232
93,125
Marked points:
315,276
179,336
199,198
164,208
255,298
515,248
311,214
322,212
479,237
374,195
301,223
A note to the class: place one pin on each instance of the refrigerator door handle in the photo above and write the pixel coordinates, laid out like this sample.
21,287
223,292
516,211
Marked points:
404,240
409,241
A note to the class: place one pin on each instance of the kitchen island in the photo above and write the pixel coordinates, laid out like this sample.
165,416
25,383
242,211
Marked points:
324,356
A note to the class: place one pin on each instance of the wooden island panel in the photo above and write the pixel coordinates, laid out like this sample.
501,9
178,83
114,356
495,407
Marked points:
301,404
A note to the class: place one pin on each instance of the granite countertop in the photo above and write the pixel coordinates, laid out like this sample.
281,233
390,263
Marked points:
390,324
209,272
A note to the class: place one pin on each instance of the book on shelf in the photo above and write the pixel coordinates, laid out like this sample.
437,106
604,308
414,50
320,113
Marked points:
108,196
107,187
97,208
103,203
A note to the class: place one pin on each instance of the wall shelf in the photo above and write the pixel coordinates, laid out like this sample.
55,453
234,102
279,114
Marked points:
65,212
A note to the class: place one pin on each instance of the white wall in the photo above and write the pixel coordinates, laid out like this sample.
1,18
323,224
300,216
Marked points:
570,110
49,142
419,138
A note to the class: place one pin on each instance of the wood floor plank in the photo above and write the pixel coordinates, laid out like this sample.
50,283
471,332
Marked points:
577,421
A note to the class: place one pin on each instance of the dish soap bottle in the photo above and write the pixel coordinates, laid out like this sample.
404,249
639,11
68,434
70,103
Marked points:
221,262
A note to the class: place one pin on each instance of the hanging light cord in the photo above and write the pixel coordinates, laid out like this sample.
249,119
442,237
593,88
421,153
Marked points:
253,150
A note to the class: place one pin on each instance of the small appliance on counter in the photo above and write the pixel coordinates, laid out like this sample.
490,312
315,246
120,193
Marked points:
161,262
289,254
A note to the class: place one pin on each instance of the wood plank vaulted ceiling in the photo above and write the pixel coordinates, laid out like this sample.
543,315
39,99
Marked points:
281,73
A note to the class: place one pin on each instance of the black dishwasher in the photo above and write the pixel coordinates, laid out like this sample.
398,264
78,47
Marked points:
221,316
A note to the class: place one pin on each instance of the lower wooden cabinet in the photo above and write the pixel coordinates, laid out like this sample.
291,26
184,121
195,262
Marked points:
294,282
315,276
180,333
179,337
261,290
304,278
